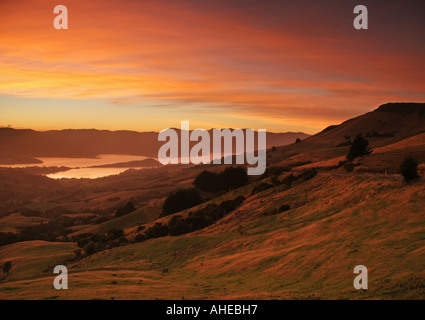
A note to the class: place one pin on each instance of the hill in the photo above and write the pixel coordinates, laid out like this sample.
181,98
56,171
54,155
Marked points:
299,233
308,252
23,146
391,121
388,124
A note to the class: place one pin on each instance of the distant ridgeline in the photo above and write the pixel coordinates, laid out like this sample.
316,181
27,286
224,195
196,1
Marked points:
403,107
22,146
390,120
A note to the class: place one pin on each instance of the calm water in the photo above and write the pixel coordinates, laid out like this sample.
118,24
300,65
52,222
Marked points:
80,166
91,173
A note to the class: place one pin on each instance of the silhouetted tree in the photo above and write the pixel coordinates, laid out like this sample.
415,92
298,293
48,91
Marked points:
90,248
115,234
7,266
126,209
181,200
234,177
156,231
208,181
230,178
359,147
298,140
409,168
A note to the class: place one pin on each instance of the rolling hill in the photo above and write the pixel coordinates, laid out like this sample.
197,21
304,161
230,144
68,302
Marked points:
22,146
333,221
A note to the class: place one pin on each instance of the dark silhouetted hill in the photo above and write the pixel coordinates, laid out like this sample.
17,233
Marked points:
22,146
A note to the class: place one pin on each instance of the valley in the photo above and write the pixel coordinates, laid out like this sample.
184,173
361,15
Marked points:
295,232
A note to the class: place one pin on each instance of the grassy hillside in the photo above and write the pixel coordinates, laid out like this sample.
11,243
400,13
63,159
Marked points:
307,252
336,220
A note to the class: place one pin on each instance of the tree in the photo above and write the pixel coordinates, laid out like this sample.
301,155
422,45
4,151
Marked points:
7,266
234,177
298,140
90,248
181,200
409,168
230,178
115,234
126,209
359,147
208,181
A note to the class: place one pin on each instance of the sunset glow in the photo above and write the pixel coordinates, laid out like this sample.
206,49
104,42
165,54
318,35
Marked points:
146,65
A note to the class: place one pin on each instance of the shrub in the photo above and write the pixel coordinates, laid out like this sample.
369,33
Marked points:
181,200
341,163
202,218
261,187
308,174
409,168
115,234
359,147
90,248
283,208
157,231
273,171
101,220
288,180
208,181
7,266
230,178
234,177
179,226
349,167
140,238
126,209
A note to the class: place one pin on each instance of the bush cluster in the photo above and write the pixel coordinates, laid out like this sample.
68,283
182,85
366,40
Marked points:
92,243
181,200
282,208
195,220
124,210
229,179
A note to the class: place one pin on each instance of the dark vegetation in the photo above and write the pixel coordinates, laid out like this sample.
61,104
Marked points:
124,210
303,176
195,220
49,231
359,148
282,208
261,187
229,179
7,266
181,200
92,243
409,169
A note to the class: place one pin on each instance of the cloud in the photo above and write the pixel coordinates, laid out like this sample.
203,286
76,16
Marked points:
301,60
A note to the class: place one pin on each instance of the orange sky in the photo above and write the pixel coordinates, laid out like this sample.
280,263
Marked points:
146,65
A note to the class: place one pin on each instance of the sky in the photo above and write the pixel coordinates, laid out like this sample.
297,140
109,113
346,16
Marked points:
146,65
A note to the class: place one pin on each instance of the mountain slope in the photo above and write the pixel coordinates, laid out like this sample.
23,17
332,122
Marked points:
391,120
388,124
307,252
